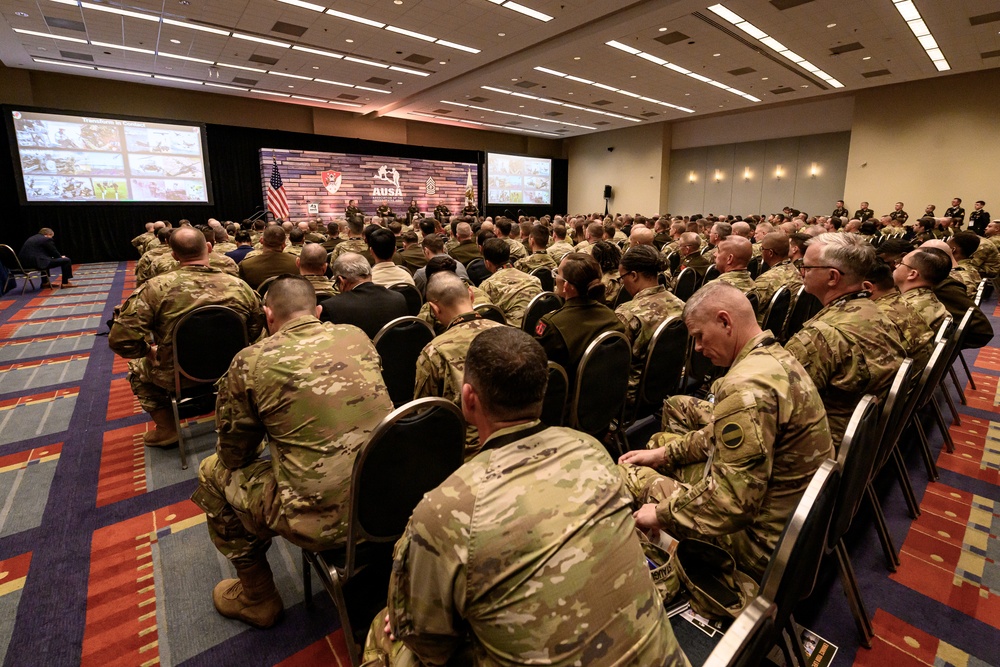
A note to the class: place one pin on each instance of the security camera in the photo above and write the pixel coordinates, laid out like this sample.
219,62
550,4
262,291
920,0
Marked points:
611,149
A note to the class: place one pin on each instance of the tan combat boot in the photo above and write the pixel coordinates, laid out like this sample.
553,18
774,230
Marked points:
165,434
252,598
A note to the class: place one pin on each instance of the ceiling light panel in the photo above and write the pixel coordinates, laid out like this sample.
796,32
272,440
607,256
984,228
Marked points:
459,121
512,113
627,93
908,11
680,70
770,42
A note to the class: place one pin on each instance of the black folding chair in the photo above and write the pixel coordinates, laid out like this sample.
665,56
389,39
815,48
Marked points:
754,266
411,452
957,354
791,573
687,284
623,296
197,365
556,394
545,276
923,393
399,344
711,273
673,261
699,372
414,300
806,305
491,312
12,263
601,386
777,311
749,639
754,301
539,305
663,373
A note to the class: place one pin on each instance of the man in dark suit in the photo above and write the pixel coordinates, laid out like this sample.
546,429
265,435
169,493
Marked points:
361,302
39,252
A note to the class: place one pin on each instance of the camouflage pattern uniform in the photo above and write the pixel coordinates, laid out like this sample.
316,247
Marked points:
560,248
144,267
646,311
511,290
153,310
740,279
586,247
741,464
350,245
441,367
914,332
478,297
925,302
612,286
140,241
538,260
966,273
224,247
849,349
325,288
517,249
986,259
782,274
522,557
315,391
166,263
296,250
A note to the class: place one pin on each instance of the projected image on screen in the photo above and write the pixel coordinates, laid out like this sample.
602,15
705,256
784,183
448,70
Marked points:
514,179
101,160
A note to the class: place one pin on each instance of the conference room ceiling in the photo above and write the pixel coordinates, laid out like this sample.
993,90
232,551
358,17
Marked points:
537,67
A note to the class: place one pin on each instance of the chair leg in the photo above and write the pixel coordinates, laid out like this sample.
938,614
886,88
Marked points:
965,365
853,592
891,558
799,649
949,444
925,449
336,590
957,418
904,481
180,433
307,580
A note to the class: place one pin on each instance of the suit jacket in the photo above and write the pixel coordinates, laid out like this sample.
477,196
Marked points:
953,295
255,270
368,306
38,252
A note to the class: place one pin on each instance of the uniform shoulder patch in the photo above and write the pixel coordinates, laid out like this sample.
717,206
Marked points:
732,435
540,328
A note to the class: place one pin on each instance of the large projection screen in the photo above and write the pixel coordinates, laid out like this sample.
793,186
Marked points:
82,159
515,179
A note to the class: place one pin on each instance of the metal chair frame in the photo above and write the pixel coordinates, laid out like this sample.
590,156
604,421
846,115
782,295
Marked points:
655,368
537,308
749,639
16,269
491,312
409,370
414,299
614,390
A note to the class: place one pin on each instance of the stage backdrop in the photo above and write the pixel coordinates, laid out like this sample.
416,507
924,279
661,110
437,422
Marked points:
327,181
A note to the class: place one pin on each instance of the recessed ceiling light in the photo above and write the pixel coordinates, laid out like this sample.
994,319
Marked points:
687,94
763,78
831,25
576,57
349,41
632,77
291,86
397,2
716,55
442,62
663,29
869,57
501,34
175,41
520,106
625,107
399,83
805,85
21,14
514,79
722,106
315,66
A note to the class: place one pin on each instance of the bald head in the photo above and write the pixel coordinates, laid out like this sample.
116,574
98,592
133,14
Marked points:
447,290
718,296
944,247
738,250
188,245
312,260
641,236
463,231
287,298
741,229
689,243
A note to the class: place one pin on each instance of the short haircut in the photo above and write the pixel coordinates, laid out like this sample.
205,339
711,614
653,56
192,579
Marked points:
355,224
836,222
382,243
981,202
540,236
446,289
721,296
483,236
559,231
880,275
409,237
288,295
584,273
438,264
608,256
496,251
799,240
427,226
958,199
508,370
274,237
852,255
352,267
967,242
45,231
894,248
333,228
313,257
722,229
644,260
595,230
776,242
395,226
188,243
296,235
463,230
503,225
932,264
221,236
434,243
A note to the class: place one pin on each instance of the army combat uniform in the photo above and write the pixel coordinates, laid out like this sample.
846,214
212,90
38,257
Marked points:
558,249
324,287
144,267
740,279
967,274
154,310
849,349
537,260
441,366
510,290
166,263
986,259
521,557
517,249
479,297
914,332
350,245
782,274
647,310
739,465
315,390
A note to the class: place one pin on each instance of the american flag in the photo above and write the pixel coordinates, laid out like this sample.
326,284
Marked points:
277,203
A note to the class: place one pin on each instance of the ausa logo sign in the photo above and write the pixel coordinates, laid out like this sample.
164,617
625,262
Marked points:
388,175
332,181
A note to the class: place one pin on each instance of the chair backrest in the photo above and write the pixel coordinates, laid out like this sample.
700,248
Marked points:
545,277
477,271
623,296
412,450
749,639
711,273
791,572
399,344
777,311
539,305
979,291
673,261
857,454
698,369
806,305
891,421
556,394
687,283
958,337
754,266
936,366
414,300
194,358
601,383
665,357
491,312
11,261
266,284
754,301
944,330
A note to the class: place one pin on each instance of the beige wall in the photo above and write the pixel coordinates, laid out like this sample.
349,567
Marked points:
637,169
926,142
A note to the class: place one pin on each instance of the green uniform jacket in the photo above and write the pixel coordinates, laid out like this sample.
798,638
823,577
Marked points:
565,333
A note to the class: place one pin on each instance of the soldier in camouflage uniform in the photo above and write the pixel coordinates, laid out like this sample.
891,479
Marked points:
354,243
963,246
312,266
522,557
737,467
148,236
915,276
315,392
154,309
731,258
986,259
849,347
441,363
509,289
437,265
560,247
503,228
689,247
144,267
779,272
914,332
539,258
165,263
650,306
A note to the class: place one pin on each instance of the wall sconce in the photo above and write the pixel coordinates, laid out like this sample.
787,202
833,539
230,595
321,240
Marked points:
813,170
777,172
718,175
691,178
746,174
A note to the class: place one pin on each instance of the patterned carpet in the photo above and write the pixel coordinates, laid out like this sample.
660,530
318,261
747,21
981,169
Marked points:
105,561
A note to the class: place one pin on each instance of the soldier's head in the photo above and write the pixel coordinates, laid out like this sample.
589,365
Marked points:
963,244
506,372
559,231
579,275
463,231
957,201
496,254
296,236
993,229
312,260
720,232
448,295
835,265
355,225
273,238
840,203
432,245
891,251
640,268
538,238
733,254
762,230
608,256
333,229
220,235
979,205
188,246
880,280
382,243
720,320
243,238
923,267
503,227
774,248
742,229
943,247
287,298
351,269
641,236
689,244
595,232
